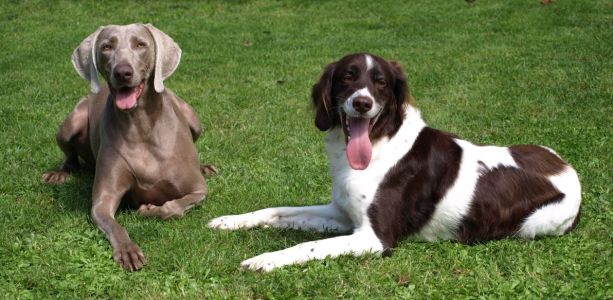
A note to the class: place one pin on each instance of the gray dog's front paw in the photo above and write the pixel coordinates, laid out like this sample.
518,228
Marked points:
129,256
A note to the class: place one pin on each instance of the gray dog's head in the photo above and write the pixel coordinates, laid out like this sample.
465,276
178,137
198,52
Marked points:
127,56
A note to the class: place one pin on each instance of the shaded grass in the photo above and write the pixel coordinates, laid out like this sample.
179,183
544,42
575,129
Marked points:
492,72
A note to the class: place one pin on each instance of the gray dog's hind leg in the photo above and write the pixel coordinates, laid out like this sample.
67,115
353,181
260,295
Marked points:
73,127
173,208
195,127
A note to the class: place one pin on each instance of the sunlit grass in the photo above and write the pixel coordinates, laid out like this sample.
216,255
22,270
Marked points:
496,72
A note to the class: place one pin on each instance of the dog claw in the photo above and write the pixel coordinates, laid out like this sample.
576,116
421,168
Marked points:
265,262
55,177
224,223
170,209
209,170
130,257
149,210
244,221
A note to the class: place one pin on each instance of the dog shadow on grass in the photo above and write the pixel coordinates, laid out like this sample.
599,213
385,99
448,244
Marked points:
76,193
274,239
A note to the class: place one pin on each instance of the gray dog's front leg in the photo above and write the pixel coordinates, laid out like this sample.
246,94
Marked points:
125,251
110,184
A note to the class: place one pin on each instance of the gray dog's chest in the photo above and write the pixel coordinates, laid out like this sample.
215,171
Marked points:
160,174
157,193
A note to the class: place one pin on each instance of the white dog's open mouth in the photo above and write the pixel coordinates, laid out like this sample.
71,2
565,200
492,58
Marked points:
126,98
357,135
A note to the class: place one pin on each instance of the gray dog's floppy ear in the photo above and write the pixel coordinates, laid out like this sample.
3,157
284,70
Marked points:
84,60
167,57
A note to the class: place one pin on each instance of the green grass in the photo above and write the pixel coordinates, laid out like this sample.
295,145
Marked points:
497,72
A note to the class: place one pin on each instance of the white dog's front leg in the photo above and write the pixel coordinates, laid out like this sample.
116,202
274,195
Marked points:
354,244
318,217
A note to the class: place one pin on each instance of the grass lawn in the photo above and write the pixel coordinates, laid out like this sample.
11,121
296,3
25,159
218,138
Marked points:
497,72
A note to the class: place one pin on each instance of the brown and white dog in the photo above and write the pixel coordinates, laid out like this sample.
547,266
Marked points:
394,177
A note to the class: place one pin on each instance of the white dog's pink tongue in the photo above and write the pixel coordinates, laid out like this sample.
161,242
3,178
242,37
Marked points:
359,148
126,98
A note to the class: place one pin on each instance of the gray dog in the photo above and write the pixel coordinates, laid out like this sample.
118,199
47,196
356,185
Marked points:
137,134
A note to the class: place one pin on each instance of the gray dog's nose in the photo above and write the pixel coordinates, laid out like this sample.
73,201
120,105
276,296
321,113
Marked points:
362,104
123,72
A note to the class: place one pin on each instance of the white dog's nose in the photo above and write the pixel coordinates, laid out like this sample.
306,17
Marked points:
362,104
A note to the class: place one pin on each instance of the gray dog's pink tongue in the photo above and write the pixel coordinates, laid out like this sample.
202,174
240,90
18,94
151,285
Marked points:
359,148
126,98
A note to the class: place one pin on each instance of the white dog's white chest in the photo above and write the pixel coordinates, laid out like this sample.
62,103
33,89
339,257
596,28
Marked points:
354,193
355,190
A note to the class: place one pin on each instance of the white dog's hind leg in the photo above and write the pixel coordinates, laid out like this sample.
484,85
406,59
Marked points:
364,241
556,218
319,217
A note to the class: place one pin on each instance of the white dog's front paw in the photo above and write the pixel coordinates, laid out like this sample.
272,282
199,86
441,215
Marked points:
249,220
265,262
226,222
234,222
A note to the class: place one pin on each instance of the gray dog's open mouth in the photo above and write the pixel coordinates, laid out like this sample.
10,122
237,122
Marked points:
126,98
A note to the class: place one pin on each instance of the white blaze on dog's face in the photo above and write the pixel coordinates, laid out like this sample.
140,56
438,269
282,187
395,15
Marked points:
354,93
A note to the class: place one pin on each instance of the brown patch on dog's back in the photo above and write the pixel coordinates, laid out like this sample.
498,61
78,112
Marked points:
537,159
503,198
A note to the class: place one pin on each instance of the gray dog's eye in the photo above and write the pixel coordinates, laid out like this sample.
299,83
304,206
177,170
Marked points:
141,45
107,47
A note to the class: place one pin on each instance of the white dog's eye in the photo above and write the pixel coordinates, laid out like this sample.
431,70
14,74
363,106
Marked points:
107,47
141,45
380,80
348,77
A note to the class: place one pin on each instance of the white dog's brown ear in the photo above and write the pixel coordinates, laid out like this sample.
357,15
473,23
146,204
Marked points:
401,87
322,99
84,60
167,57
